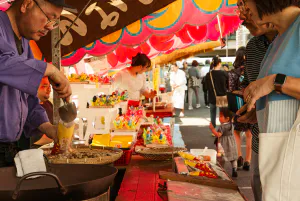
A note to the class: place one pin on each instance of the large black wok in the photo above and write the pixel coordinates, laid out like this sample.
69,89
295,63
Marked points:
62,182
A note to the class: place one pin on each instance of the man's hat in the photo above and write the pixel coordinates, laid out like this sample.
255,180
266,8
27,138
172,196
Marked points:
60,3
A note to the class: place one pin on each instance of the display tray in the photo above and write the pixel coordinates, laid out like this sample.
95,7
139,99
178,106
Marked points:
158,105
136,129
104,106
79,82
86,155
124,130
158,153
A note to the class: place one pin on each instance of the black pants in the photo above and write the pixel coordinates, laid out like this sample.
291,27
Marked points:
7,153
205,91
206,97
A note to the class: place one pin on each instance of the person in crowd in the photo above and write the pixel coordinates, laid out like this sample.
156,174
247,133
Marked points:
194,84
225,67
40,139
234,86
167,78
178,83
43,95
21,74
256,50
219,79
225,137
185,69
203,72
133,79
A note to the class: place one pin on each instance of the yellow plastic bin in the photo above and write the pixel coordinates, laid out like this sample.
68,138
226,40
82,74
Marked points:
101,140
121,141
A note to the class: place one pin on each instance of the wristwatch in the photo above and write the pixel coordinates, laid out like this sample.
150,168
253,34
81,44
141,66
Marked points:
279,82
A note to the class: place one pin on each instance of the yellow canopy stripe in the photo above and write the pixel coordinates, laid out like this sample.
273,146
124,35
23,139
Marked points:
186,52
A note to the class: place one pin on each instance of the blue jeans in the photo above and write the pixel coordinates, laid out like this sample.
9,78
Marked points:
213,114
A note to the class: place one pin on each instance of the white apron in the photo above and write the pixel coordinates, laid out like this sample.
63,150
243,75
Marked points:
179,79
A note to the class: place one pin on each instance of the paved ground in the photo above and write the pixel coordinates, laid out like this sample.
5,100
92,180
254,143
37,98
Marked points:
196,134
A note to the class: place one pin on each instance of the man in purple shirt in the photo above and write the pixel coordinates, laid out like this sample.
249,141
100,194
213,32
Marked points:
21,74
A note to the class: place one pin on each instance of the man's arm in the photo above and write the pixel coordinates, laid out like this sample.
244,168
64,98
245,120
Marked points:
37,121
25,73
19,71
36,117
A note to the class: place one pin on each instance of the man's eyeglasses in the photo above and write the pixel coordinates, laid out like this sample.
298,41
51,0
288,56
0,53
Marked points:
242,6
51,23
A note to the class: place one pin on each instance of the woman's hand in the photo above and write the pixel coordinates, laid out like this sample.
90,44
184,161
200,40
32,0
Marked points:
248,117
153,93
258,89
150,94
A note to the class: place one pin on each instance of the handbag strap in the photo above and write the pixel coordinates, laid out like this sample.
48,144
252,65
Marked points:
213,83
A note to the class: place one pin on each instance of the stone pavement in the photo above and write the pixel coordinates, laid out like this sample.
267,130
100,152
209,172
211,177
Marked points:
196,134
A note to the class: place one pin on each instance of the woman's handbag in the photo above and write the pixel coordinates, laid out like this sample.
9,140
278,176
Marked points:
278,164
221,101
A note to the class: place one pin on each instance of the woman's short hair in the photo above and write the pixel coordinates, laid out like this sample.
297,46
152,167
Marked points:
216,60
195,63
268,7
141,60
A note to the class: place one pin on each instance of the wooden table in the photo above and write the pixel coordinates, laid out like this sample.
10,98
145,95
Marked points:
179,191
161,113
190,188
140,182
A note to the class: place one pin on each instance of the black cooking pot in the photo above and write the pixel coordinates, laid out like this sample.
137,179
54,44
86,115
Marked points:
61,182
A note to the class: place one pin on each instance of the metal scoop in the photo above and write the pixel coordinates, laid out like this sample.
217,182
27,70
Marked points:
67,112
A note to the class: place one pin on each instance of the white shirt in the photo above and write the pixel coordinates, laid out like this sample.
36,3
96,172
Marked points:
134,85
178,79
204,70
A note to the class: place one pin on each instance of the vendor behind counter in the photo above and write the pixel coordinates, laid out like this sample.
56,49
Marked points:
133,79
40,139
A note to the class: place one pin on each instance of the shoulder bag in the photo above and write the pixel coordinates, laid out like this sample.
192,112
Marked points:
279,164
221,101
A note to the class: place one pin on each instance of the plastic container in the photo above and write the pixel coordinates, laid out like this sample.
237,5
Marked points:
65,133
207,152
125,158
101,140
121,141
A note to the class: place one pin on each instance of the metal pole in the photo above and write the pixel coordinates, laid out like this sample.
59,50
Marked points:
227,46
56,61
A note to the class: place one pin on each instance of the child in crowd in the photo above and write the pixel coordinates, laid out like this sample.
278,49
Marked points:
226,138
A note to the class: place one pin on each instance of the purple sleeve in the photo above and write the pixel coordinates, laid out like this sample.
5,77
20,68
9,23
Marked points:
19,71
36,116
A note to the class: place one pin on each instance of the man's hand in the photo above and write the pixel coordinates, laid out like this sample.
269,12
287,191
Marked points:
249,117
258,89
49,130
59,82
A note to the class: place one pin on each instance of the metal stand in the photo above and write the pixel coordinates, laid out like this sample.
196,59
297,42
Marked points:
56,59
